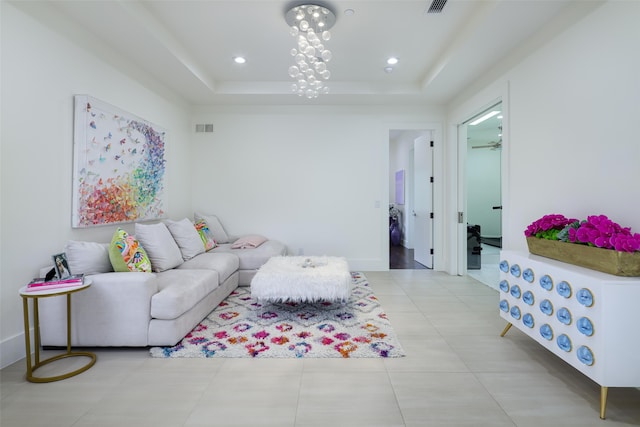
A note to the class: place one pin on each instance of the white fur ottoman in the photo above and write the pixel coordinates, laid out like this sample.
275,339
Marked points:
302,279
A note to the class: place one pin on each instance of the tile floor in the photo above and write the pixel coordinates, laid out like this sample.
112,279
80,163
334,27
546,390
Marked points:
457,372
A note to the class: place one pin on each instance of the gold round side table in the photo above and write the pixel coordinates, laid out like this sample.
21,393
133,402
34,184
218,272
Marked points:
32,365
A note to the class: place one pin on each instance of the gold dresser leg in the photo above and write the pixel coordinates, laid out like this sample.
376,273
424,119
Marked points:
506,329
603,401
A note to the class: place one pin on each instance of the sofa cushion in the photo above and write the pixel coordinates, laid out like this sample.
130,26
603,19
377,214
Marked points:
126,253
219,233
163,251
187,237
180,290
205,234
253,258
88,257
224,263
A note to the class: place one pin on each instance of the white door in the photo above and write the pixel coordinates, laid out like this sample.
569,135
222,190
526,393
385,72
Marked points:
423,200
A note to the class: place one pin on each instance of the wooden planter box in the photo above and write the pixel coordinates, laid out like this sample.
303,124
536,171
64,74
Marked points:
606,260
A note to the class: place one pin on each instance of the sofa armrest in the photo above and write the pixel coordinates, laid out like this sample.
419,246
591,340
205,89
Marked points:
114,311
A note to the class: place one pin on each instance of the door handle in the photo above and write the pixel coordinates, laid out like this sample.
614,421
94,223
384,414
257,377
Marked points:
414,213
497,207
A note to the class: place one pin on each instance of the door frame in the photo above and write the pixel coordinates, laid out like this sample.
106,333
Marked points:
456,153
436,128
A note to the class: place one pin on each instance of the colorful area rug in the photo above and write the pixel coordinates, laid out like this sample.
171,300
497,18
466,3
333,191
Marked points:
242,327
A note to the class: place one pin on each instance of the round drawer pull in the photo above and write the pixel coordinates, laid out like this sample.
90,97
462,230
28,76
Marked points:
564,342
528,275
515,270
546,307
585,355
504,286
585,326
515,312
564,289
528,321
546,282
585,297
515,291
546,332
528,298
564,316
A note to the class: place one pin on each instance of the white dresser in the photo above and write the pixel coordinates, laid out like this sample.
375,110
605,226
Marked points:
589,319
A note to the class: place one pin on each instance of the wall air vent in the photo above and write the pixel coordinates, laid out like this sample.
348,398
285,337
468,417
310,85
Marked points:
208,128
436,6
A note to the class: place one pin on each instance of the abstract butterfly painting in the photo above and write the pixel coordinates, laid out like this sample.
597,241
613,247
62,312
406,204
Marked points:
116,188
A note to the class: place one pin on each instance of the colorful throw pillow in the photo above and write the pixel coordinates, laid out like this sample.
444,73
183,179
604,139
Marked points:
219,233
186,236
126,254
205,235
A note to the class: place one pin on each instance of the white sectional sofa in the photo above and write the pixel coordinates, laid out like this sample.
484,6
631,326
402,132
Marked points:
158,308
251,259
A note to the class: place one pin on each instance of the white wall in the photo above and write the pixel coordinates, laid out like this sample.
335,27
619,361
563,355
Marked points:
315,178
41,71
571,142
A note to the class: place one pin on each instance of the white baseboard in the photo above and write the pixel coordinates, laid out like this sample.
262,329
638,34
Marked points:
12,350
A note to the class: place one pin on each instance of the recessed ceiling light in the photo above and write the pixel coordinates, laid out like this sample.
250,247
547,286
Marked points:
349,12
388,69
239,59
392,61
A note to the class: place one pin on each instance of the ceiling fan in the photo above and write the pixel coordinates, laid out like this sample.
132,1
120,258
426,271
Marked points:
494,145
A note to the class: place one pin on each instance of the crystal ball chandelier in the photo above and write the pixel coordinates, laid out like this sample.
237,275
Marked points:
310,24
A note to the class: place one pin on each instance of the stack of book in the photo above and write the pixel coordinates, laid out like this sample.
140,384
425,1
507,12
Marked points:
40,284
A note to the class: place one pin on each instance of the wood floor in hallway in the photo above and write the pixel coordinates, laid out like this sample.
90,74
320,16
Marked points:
401,258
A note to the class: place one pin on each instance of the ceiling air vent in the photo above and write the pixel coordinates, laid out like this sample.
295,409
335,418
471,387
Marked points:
208,128
436,6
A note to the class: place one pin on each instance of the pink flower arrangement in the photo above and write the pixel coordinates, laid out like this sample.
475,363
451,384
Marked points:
600,231
597,230
548,226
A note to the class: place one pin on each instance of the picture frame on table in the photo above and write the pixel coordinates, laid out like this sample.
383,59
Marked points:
61,265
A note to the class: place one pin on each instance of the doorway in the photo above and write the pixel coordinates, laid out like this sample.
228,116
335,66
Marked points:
410,199
483,176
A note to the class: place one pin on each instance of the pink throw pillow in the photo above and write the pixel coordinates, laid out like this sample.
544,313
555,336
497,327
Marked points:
250,241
